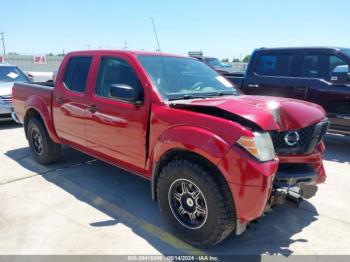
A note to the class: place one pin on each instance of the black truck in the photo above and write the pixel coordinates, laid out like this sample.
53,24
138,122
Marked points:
316,74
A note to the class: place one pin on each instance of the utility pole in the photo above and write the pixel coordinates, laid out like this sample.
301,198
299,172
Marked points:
3,43
125,45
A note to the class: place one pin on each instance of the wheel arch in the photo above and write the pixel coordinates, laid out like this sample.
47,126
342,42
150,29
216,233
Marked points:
188,142
179,153
44,117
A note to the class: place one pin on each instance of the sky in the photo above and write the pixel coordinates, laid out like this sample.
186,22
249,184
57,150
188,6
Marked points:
225,29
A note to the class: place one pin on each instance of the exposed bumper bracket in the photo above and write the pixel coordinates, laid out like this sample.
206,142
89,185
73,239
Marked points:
240,227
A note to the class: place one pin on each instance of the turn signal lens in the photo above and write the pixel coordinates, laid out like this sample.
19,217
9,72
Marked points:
260,146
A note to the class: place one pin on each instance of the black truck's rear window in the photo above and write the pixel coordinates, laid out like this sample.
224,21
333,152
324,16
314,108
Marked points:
274,64
76,73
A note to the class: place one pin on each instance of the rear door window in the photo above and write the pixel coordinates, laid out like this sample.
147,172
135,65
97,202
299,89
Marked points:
316,65
320,65
77,73
278,64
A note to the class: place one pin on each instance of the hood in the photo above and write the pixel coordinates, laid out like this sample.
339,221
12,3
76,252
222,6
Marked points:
6,88
268,113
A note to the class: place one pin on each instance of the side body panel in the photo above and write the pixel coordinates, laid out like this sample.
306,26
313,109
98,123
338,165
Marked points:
117,129
38,98
69,109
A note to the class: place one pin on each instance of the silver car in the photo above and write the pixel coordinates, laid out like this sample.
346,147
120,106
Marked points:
9,74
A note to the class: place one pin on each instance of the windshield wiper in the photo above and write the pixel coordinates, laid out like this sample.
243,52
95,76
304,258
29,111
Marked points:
222,93
186,97
203,96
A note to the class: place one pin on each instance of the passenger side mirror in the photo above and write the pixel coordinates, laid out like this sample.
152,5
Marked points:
340,75
124,92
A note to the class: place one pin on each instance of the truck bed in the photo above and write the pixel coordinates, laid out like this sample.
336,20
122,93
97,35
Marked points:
24,93
236,79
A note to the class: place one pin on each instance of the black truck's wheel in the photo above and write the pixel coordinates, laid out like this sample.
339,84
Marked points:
42,148
195,203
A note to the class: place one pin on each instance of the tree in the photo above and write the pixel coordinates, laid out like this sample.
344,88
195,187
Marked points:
246,59
236,60
225,60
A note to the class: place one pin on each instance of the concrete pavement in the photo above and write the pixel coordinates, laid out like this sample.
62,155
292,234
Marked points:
84,206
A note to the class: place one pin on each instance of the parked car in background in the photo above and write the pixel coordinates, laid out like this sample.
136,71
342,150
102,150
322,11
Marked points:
8,75
216,158
220,67
40,76
319,75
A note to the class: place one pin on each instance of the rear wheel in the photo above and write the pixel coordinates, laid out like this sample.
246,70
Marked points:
42,148
195,202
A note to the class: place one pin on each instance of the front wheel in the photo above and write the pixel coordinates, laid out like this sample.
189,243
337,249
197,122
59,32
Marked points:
195,203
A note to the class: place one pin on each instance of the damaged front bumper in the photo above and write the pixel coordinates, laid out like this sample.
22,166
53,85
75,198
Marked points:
297,178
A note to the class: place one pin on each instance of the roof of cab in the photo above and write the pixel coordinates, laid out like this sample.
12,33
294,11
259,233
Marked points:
128,52
301,48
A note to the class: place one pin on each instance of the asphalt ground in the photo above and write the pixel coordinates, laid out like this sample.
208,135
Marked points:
84,206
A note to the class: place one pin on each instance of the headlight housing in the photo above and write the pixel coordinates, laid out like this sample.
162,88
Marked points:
260,146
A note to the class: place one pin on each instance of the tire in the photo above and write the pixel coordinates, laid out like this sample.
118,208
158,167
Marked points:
42,148
213,196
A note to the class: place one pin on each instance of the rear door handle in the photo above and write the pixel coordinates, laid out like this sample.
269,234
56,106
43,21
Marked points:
92,108
60,100
253,86
300,89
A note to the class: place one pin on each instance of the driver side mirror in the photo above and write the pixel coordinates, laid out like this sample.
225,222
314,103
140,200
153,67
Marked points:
340,75
124,92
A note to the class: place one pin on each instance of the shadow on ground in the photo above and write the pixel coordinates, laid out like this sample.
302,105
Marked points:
93,181
337,148
9,125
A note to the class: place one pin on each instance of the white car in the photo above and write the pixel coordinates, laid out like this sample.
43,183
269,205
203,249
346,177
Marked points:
9,74
40,76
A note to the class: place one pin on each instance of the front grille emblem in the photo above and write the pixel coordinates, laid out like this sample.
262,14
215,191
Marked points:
292,138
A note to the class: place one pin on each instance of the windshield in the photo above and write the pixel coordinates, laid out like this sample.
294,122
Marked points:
12,74
178,78
214,62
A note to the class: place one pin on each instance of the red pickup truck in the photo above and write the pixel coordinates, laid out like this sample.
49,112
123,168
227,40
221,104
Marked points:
216,158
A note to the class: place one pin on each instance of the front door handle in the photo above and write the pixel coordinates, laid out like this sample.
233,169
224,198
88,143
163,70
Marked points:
253,86
92,108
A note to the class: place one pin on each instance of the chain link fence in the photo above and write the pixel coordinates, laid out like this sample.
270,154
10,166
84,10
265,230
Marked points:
30,63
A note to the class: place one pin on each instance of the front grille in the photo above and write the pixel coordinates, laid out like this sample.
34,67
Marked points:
309,138
6,99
